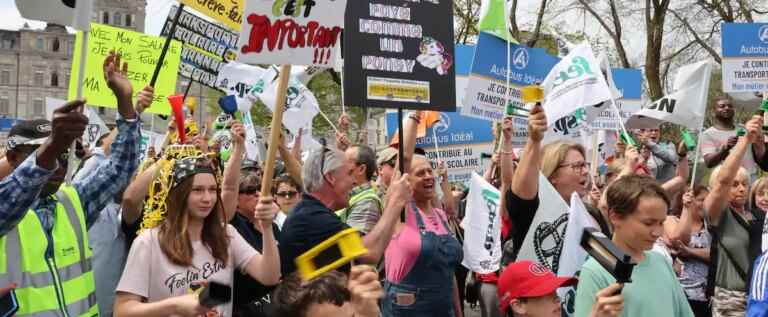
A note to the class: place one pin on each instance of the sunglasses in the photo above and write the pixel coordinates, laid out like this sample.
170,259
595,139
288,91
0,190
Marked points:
287,194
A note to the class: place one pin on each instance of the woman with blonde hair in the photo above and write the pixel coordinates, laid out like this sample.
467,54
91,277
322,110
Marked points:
758,195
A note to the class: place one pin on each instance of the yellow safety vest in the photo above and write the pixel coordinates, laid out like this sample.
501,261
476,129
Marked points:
57,285
369,193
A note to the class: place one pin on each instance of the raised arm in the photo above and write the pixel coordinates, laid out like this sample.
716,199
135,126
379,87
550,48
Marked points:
133,197
525,183
376,241
449,203
507,154
265,267
677,183
292,165
231,181
717,199
409,139
681,230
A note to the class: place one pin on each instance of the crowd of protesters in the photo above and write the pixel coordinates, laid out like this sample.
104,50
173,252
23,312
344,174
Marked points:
118,240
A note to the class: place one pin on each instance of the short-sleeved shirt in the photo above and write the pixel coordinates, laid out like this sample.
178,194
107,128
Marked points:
712,139
309,224
150,274
654,290
405,247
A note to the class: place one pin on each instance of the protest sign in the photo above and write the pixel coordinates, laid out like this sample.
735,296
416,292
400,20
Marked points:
745,57
96,126
207,46
301,106
245,82
486,90
482,227
543,242
229,12
686,106
291,32
140,51
630,83
573,256
574,83
401,54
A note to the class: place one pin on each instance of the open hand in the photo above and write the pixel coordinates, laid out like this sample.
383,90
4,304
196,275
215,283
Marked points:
115,76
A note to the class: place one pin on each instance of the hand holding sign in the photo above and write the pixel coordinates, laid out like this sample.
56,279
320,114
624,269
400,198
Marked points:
238,133
264,213
537,123
144,99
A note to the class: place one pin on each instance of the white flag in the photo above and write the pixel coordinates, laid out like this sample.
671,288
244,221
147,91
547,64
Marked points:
74,13
301,106
243,81
252,142
686,106
573,256
482,227
575,82
544,241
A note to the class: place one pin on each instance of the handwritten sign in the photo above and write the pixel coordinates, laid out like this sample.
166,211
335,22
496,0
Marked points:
297,32
401,53
140,51
229,12
207,46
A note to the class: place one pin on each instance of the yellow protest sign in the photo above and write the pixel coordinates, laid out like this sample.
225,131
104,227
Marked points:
140,51
229,12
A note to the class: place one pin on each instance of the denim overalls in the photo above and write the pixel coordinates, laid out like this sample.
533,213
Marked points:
430,279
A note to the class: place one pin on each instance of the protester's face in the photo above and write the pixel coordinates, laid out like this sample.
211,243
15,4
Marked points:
202,196
385,173
640,229
358,173
422,179
761,198
247,199
739,190
653,134
698,201
287,196
724,109
330,310
342,181
571,175
542,306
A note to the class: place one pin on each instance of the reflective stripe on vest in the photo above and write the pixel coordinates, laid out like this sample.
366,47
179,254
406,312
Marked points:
369,193
51,286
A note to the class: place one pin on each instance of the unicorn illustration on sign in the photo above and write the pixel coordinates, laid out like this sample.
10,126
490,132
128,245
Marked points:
434,56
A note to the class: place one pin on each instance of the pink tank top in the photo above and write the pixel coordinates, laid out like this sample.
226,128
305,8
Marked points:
404,248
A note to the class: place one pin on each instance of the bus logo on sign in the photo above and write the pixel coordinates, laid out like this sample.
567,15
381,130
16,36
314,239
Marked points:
763,34
520,58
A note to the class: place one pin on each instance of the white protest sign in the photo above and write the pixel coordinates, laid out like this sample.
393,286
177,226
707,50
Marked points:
544,241
287,32
301,106
573,256
96,126
482,227
245,82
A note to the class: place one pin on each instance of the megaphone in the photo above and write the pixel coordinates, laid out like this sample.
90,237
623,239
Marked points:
177,103
228,104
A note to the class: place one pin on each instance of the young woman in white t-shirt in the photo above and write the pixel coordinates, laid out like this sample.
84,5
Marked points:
193,246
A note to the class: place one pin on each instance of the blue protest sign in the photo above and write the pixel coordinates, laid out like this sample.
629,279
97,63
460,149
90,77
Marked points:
745,57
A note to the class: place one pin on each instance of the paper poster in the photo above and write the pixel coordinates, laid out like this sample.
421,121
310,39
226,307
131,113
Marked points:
296,32
745,57
482,227
229,12
401,55
140,51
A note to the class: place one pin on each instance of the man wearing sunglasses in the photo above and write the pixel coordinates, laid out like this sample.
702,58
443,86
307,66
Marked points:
43,223
365,205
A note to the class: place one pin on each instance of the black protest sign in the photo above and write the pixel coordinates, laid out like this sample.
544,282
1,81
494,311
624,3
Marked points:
400,53
207,46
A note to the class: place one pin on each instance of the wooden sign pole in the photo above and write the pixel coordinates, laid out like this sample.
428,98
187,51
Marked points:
275,131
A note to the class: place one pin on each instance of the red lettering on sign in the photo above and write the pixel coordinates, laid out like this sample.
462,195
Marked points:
288,32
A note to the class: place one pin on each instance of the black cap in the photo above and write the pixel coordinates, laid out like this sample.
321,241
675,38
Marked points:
29,132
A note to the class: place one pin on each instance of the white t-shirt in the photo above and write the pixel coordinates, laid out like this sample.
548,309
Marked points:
712,139
150,274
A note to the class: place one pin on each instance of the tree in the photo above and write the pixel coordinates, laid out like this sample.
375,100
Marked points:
655,13
611,24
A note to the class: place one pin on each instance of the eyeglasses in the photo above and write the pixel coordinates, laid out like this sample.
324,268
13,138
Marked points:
576,166
287,194
250,190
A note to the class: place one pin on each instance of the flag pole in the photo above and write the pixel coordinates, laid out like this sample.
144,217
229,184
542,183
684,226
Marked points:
437,150
401,150
275,133
167,45
328,120
72,160
618,116
696,156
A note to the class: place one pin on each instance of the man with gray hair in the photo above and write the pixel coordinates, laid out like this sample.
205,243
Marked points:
365,204
328,180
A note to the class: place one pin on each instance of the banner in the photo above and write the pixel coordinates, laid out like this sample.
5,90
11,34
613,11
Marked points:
300,104
544,241
686,106
245,82
229,12
573,256
493,19
574,83
207,46
253,142
140,51
291,32
486,90
76,14
745,57
401,54
96,126
482,227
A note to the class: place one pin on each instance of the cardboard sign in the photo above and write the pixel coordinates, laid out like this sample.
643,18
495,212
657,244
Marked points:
745,57
229,12
207,46
487,90
140,51
296,32
400,54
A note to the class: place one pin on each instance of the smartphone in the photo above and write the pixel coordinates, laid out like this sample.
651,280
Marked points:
8,304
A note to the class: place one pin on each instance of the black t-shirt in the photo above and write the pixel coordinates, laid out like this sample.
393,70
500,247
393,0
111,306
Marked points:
309,224
248,292
521,213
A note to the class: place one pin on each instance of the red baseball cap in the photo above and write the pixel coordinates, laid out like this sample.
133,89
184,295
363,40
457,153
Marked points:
528,279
